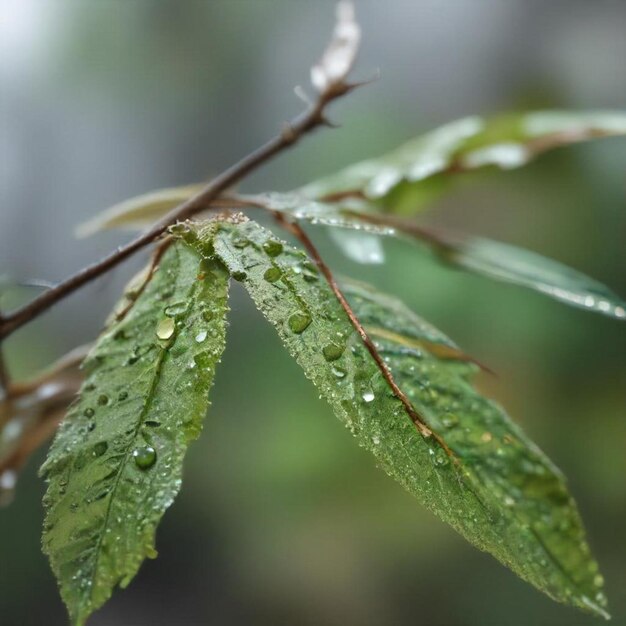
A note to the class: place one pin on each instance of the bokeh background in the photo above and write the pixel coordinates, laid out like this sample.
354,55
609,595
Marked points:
282,519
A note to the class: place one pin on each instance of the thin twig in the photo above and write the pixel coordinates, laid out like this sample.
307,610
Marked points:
311,118
305,123
440,243
418,420
5,378
152,268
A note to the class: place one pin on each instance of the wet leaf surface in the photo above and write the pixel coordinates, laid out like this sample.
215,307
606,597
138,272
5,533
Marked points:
116,463
496,488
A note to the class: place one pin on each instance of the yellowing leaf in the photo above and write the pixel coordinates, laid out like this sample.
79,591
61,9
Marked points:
139,211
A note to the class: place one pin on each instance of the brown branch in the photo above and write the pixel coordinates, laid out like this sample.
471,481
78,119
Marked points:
416,418
36,407
441,243
5,379
310,119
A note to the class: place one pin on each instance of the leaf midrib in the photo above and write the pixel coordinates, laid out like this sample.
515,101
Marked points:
148,403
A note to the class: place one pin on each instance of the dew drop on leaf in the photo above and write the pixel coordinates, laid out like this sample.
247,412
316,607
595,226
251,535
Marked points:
145,457
100,448
88,412
272,247
240,242
339,372
177,308
165,328
299,322
368,396
201,336
272,274
103,399
332,351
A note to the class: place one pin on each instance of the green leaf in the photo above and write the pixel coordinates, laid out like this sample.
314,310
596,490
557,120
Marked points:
515,265
116,463
497,489
496,260
414,173
138,211
358,247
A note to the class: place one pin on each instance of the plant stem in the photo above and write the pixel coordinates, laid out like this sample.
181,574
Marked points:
5,379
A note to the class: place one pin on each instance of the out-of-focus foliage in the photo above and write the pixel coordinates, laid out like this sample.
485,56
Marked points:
396,181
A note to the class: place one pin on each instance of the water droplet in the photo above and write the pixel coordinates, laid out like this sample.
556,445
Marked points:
145,457
272,247
332,351
339,372
100,448
272,274
174,309
103,399
122,395
165,328
88,412
201,336
376,440
299,322
368,396
441,459
240,242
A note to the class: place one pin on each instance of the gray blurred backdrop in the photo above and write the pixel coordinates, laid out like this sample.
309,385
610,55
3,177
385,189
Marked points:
282,520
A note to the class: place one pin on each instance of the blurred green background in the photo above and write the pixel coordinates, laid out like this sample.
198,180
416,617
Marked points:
282,519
